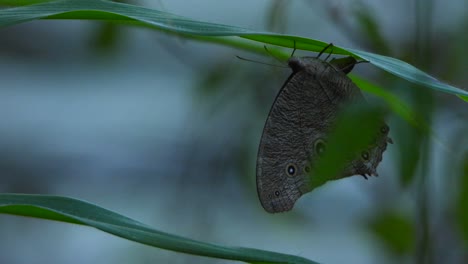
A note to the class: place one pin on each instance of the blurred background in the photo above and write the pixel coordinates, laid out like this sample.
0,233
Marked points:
119,116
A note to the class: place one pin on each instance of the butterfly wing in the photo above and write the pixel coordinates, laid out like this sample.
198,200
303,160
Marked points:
299,117
278,174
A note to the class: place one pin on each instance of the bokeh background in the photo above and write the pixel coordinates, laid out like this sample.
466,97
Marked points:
165,130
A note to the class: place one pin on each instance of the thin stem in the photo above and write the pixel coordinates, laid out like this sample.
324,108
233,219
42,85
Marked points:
424,253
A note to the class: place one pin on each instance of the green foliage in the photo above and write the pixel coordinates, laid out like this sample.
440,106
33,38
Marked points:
395,231
80,212
340,149
462,204
170,23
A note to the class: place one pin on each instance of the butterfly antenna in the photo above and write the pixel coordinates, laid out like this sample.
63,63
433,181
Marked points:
329,54
352,65
271,54
324,49
294,50
363,61
260,62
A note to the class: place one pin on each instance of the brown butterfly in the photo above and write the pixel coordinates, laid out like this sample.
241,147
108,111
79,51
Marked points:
296,130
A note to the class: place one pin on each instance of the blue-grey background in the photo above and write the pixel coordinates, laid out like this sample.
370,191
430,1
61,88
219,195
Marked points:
165,130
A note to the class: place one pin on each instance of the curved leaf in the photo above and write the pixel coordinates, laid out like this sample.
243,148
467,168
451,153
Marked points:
125,13
409,72
79,212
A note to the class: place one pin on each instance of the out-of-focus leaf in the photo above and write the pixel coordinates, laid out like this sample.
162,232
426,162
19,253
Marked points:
462,206
413,140
396,232
395,104
339,148
277,15
211,82
407,150
105,38
408,137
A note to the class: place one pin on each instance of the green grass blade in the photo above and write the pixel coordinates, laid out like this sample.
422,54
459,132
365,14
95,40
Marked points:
409,72
79,212
125,13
